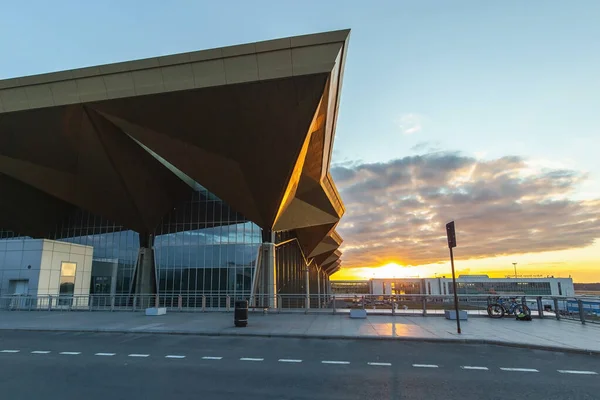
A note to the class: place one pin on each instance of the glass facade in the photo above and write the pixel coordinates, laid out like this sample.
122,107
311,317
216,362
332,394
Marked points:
202,247
350,287
401,287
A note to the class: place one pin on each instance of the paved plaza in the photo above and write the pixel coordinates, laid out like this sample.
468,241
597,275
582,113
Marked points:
539,333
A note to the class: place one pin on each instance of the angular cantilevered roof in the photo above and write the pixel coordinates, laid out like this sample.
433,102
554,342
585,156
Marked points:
253,123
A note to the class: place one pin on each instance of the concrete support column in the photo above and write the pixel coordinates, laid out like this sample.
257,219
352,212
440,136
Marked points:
113,279
144,280
269,270
269,264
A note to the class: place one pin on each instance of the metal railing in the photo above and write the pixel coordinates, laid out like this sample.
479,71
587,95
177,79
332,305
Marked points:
581,309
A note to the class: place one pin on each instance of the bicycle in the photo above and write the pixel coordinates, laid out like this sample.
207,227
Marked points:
498,307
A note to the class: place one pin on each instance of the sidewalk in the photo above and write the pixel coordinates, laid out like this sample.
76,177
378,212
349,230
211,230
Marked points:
542,334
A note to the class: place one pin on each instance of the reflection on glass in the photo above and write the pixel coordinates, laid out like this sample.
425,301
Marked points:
201,247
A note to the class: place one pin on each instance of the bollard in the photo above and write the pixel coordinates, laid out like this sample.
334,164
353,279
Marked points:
540,307
581,312
333,300
49,302
279,303
179,302
556,309
203,303
227,303
424,306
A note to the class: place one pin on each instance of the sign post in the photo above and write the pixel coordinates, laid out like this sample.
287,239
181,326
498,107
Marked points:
451,234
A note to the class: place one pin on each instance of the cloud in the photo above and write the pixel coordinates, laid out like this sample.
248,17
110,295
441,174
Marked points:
410,123
396,211
426,147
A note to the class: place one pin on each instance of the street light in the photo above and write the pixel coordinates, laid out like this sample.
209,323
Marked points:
515,265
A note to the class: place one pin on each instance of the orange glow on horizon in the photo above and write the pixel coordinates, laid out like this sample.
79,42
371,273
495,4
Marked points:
583,265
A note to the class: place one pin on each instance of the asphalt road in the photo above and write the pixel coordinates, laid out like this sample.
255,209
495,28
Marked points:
90,366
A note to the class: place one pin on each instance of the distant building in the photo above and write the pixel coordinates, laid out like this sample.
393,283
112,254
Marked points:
350,287
474,284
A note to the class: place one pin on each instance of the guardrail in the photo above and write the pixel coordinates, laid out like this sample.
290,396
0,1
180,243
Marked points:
582,309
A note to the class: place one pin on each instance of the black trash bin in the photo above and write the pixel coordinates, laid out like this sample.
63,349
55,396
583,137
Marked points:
240,313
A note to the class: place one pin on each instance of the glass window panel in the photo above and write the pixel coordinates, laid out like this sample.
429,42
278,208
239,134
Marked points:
68,269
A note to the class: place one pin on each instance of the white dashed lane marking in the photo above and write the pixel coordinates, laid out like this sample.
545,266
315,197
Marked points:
567,371
519,369
295,360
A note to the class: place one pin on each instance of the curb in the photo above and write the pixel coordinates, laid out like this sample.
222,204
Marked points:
323,337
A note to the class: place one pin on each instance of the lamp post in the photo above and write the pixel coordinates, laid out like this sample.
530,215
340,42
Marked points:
515,266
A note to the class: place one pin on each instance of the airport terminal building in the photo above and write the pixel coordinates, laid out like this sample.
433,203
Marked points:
465,285
195,173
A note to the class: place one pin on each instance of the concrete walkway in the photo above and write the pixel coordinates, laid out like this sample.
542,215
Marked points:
543,334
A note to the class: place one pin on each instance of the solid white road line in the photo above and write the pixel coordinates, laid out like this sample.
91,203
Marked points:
475,368
251,359
9,351
139,355
212,358
568,371
70,353
174,356
336,362
40,352
287,360
519,369
105,354
425,366
380,364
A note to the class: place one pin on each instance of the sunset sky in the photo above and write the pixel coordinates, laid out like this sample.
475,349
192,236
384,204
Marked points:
486,113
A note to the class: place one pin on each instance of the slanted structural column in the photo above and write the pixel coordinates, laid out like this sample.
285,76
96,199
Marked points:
269,269
144,280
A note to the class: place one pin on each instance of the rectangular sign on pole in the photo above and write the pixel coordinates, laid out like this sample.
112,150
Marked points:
450,232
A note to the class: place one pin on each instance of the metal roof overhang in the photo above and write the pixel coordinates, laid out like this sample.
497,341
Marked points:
253,123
